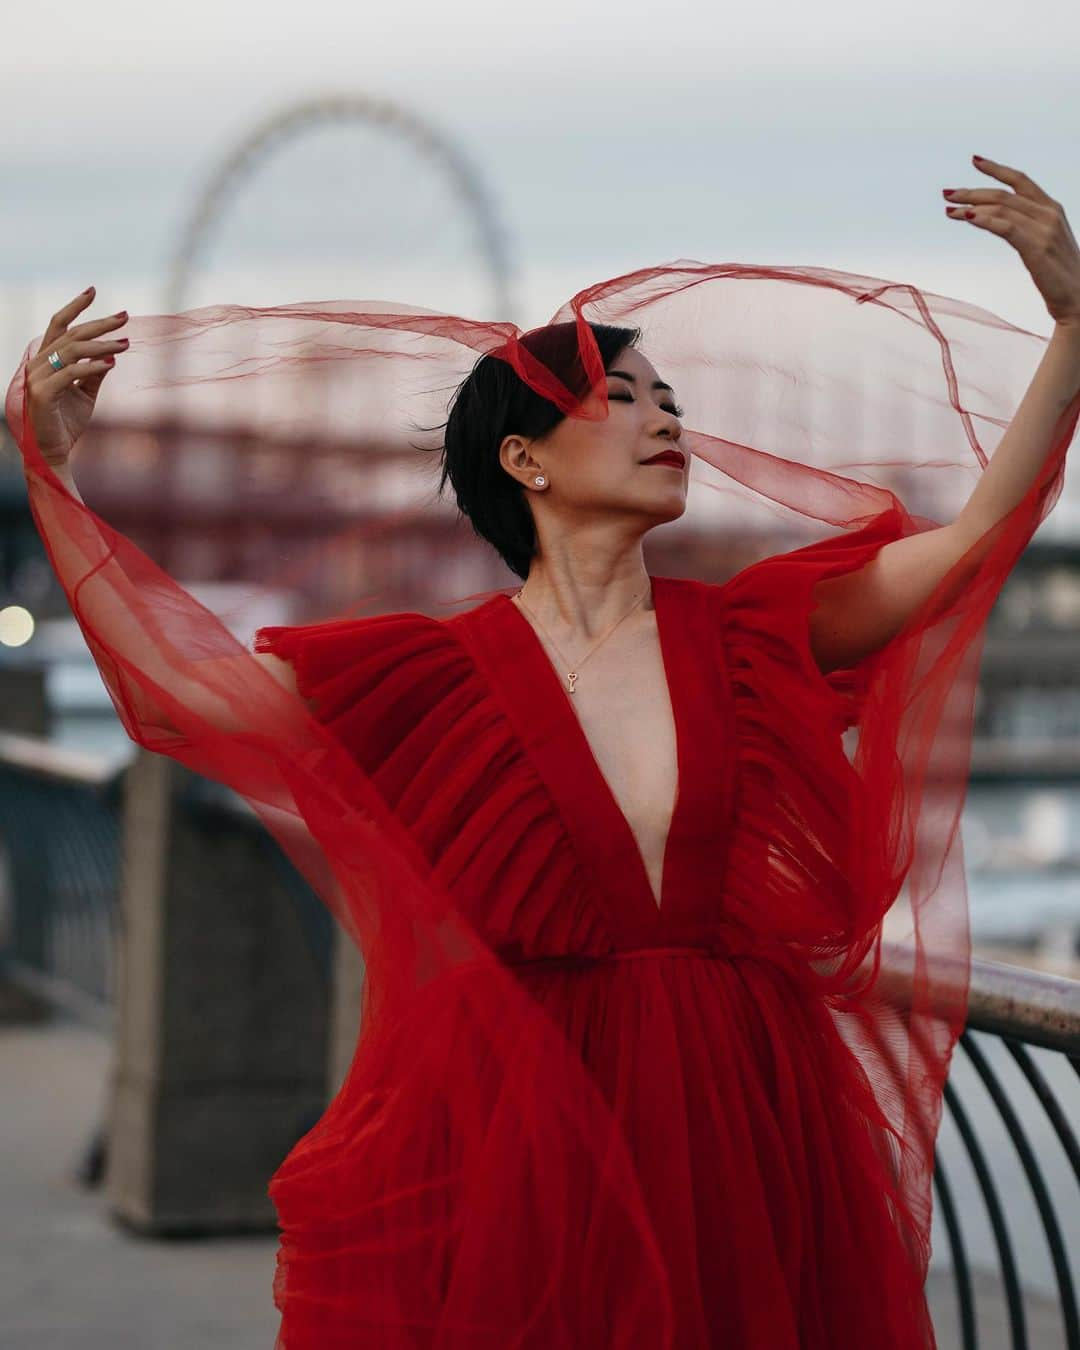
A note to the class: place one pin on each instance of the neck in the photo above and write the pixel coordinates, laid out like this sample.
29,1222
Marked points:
581,596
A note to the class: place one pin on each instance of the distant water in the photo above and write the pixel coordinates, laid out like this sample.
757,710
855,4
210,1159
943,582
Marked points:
92,734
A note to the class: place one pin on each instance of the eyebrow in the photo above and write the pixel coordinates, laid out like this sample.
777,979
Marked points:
656,384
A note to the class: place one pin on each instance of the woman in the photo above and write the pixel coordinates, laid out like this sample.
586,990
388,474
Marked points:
630,1072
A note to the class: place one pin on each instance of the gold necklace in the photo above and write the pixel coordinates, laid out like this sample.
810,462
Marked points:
571,675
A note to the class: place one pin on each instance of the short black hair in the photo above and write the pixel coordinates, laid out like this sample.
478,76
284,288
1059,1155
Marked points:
492,402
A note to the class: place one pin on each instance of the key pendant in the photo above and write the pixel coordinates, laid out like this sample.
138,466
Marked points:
571,676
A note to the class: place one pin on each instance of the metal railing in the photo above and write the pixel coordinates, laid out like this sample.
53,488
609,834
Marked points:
60,823
60,839
1026,1170
60,858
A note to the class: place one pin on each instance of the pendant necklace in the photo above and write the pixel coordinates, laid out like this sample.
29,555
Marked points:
571,675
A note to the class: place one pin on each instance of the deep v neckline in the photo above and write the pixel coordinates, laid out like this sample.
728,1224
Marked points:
624,852
525,687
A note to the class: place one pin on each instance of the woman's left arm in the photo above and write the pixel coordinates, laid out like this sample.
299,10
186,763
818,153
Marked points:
860,611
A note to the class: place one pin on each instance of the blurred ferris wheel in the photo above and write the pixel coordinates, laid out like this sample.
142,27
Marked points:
340,197
233,482
356,194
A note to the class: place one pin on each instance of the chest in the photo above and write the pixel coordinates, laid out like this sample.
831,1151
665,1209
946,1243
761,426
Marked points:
624,708
633,762
622,703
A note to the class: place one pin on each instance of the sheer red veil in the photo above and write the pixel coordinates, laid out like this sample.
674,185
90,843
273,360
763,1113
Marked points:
827,413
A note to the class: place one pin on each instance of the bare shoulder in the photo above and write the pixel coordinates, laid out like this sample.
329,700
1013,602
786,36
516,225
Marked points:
283,672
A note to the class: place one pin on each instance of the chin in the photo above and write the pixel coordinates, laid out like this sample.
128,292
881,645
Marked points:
668,512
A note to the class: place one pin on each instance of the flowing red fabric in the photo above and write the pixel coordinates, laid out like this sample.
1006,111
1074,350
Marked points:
575,1118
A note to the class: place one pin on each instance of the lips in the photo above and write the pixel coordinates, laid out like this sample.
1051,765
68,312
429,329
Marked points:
674,457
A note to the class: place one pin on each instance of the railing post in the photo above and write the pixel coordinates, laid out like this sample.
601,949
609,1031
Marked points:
222,1016
347,983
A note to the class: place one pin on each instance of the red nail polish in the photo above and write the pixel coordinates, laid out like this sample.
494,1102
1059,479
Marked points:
110,360
948,192
88,290
969,215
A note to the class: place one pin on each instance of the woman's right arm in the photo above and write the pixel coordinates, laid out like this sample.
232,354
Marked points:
111,606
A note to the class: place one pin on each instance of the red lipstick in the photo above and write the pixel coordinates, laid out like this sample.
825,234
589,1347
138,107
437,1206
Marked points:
676,458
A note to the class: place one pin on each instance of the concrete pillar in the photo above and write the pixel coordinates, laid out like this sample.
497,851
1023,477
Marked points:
222,1014
348,984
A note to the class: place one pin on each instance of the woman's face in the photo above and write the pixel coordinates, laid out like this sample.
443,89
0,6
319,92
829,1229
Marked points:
597,467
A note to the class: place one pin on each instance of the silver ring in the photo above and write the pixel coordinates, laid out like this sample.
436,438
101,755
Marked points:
55,361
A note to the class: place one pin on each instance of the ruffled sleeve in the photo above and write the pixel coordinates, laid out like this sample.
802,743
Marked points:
808,854
339,663
770,603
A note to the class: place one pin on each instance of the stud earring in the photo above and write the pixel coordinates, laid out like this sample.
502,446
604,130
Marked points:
539,480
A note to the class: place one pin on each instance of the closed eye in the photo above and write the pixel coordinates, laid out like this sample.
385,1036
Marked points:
672,408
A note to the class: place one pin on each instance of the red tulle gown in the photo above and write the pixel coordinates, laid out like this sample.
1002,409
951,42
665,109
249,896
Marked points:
575,1117
751,1131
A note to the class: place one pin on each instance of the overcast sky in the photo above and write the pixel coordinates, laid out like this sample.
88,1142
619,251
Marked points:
607,137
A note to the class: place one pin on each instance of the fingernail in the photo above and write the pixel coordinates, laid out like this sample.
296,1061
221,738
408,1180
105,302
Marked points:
969,215
110,360
120,314
88,290
979,159
947,192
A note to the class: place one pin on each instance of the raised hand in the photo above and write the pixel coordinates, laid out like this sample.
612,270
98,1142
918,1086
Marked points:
1035,225
60,402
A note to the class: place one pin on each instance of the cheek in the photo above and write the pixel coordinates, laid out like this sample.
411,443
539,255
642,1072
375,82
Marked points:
599,454
612,464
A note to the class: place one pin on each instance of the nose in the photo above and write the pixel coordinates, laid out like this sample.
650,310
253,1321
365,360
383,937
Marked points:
667,424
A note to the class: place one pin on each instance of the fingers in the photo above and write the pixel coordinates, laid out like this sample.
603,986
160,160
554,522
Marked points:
1019,182
58,324
47,388
1008,201
60,320
73,343
71,350
90,384
1029,238
94,327
71,353
1017,213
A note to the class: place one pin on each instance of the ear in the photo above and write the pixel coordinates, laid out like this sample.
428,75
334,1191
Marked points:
516,458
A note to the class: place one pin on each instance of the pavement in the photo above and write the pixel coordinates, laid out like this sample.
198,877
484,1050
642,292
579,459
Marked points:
72,1277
